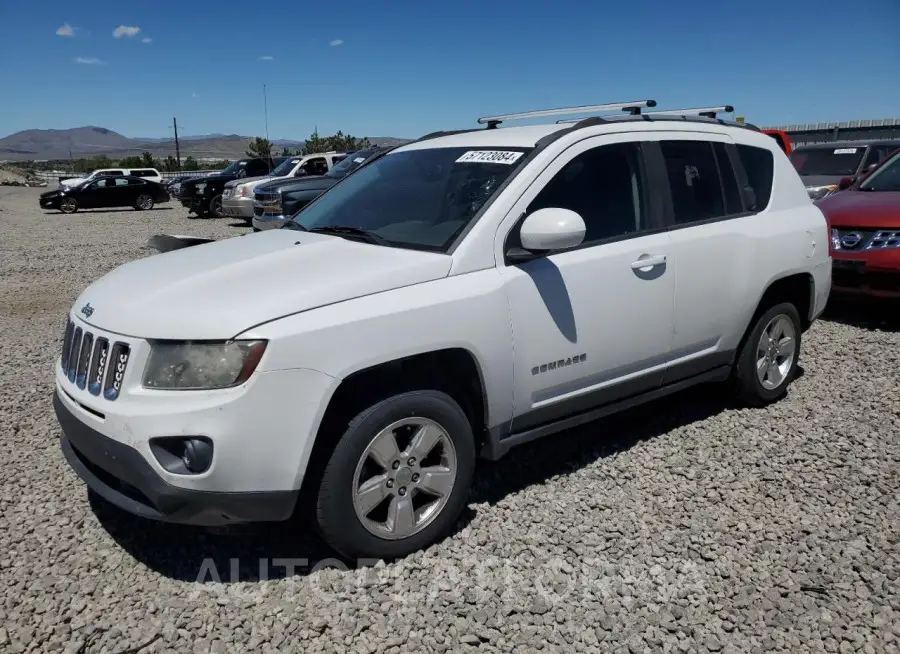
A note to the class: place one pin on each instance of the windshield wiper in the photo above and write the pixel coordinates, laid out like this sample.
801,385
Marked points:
293,224
341,230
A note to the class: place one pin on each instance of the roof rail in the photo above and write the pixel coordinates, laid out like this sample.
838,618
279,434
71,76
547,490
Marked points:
706,112
634,108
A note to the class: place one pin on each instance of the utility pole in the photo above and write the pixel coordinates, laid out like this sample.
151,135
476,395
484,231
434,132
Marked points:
177,147
266,110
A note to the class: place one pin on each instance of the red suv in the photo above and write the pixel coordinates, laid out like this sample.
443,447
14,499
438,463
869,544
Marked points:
864,218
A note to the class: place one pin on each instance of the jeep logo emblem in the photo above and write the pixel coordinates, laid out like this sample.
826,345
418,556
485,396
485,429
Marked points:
87,310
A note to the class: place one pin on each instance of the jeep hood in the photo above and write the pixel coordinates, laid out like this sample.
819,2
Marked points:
217,290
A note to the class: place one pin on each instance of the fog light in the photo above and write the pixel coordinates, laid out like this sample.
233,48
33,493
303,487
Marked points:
197,455
183,455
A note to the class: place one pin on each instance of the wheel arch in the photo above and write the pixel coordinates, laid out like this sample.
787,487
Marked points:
799,288
455,370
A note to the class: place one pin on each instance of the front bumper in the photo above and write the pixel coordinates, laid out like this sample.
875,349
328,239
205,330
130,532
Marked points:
874,274
238,207
270,221
122,476
49,203
262,434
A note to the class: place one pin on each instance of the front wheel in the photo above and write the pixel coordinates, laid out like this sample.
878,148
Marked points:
768,360
215,207
68,205
398,478
143,203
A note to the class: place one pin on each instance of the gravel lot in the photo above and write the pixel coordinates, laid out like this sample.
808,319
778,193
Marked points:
688,526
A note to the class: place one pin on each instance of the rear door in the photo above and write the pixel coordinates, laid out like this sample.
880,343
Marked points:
708,247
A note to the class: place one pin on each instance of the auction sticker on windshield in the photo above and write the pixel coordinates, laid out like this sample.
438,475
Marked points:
489,156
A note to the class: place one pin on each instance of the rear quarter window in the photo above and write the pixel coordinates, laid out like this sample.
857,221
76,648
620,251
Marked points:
760,168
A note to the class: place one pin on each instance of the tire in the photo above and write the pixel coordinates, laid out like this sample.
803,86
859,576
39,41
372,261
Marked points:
760,389
215,207
143,203
452,459
68,205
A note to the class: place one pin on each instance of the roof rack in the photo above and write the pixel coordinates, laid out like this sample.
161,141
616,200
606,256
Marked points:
706,112
633,108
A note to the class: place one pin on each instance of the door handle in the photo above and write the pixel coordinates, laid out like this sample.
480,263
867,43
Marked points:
648,261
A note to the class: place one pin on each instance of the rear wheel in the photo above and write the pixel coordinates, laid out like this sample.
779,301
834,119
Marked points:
398,478
143,203
768,360
68,205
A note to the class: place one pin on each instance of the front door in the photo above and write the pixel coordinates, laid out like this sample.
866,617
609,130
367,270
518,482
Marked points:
591,325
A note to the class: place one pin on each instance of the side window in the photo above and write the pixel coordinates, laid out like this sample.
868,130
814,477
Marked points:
256,167
135,182
115,173
759,165
694,180
729,181
315,166
605,187
120,181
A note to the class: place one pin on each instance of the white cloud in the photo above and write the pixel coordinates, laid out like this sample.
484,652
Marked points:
266,58
146,39
125,30
90,61
336,42
65,30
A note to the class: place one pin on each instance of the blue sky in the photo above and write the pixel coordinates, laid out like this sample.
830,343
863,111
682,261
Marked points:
403,68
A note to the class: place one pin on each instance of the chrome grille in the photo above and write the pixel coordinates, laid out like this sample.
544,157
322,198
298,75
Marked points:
94,362
867,239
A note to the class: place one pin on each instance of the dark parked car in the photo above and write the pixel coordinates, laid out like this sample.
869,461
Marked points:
275,202
121,191
203,195
822,165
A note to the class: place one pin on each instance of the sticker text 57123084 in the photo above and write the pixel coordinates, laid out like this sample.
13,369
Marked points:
490,156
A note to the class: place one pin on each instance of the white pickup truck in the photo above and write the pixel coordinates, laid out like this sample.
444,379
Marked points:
462,294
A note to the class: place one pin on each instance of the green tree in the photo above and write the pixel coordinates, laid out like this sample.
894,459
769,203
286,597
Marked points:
259,147
147,160
131,162
314,143
285,152
190,164
170,164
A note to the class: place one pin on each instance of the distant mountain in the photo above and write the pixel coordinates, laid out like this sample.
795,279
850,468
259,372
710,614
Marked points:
90,141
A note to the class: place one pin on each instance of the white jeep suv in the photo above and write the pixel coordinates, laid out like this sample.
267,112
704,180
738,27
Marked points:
465,293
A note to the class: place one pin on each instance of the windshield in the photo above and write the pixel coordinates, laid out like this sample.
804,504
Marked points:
420,199
234,168
350,163
285,167
886,178
827,161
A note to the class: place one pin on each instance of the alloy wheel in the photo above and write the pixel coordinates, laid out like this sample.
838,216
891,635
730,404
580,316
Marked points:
404,478
775,352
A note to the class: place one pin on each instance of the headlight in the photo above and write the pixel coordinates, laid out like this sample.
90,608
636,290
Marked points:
819,192
835,239
184,365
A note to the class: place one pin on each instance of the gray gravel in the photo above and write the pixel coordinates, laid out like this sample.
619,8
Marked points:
687,526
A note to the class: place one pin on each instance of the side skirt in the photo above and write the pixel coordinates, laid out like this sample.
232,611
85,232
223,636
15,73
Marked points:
500,439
